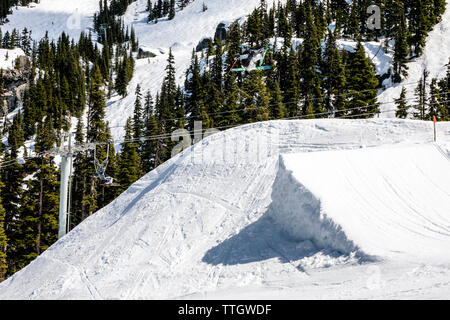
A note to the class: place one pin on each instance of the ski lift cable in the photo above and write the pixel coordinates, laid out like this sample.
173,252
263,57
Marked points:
150,138
156,137
285,103
168,135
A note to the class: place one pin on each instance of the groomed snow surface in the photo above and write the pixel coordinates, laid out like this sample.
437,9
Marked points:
282,209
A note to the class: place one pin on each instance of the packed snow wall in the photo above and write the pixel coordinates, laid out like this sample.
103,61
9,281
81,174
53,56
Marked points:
384,201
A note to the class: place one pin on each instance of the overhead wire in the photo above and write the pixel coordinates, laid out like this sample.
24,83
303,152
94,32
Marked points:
168,135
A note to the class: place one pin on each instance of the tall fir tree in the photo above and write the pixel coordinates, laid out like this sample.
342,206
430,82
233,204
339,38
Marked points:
151,130
362,85
39,226
138,118
231,104
421,94
402,107
256,98
401,51
335,81
97,132
436,102
129,168
277,107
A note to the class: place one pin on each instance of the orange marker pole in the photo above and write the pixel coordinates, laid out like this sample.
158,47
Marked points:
434,121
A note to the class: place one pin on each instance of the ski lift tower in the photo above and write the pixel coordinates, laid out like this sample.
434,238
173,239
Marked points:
66,174
67,153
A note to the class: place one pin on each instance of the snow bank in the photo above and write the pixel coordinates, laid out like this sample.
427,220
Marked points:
388,201
299,212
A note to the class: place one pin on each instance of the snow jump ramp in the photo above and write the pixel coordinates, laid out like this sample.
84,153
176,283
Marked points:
383,201
188,228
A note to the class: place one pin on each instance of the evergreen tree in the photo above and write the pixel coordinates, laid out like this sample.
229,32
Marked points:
402,107
284,26
172,9
436,102
362,85
310,63
97,132
133,40
39,219
12,190
217,67
421,94
162,144
256,99
148,107
444,86
333,71
194,93
138,122
151,130
418,25
352,27
230,115
401,52
151,12
81,178
129,161
277,107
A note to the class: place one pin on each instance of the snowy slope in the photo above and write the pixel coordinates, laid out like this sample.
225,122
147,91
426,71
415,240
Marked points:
435,57
206,224
54,16
8,57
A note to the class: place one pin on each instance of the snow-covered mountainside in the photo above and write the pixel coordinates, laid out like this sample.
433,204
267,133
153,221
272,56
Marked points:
54,17
227,217
434,59
190,25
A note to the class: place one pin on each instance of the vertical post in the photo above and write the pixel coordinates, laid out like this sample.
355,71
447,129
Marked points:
62,230
66,169
434,122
